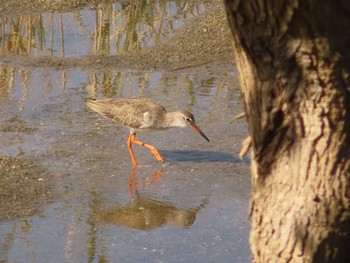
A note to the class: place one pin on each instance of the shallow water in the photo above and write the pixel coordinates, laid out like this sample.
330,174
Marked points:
192,208
103,29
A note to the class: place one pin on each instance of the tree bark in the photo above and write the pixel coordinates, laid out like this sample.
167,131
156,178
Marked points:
294,62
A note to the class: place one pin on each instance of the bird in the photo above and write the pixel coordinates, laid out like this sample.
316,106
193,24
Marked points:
142,114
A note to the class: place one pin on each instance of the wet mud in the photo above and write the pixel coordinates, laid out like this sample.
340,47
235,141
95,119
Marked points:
24,187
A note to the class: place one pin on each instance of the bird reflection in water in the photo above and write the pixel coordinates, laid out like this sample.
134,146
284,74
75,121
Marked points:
146,213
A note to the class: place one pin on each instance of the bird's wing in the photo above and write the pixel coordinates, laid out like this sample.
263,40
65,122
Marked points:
127,112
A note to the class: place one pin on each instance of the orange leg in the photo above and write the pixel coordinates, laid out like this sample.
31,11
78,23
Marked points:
150,147
131,137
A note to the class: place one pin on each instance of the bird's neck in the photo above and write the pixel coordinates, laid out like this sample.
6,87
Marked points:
172,119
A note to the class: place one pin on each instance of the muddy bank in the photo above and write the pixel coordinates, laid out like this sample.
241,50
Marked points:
24,187
202,40
28,7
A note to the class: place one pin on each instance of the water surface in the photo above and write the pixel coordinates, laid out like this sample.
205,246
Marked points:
192,208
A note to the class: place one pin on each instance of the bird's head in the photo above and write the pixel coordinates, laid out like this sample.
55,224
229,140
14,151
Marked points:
186,119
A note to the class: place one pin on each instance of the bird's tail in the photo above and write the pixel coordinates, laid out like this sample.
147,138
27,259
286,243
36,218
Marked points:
89,99
97,105
91,103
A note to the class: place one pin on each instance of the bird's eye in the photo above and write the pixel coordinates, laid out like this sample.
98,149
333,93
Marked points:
188,119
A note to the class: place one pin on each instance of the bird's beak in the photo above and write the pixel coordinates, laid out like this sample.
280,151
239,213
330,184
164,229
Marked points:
197,129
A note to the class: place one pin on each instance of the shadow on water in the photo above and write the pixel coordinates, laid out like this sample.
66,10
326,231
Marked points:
145,212
200,156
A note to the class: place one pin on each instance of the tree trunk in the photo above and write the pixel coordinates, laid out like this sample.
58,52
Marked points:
294,60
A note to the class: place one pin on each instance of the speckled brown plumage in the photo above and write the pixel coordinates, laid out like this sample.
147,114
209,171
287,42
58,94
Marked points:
129,112
142,114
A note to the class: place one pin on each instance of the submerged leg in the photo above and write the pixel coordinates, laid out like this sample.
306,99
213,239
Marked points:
150,147
134,184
